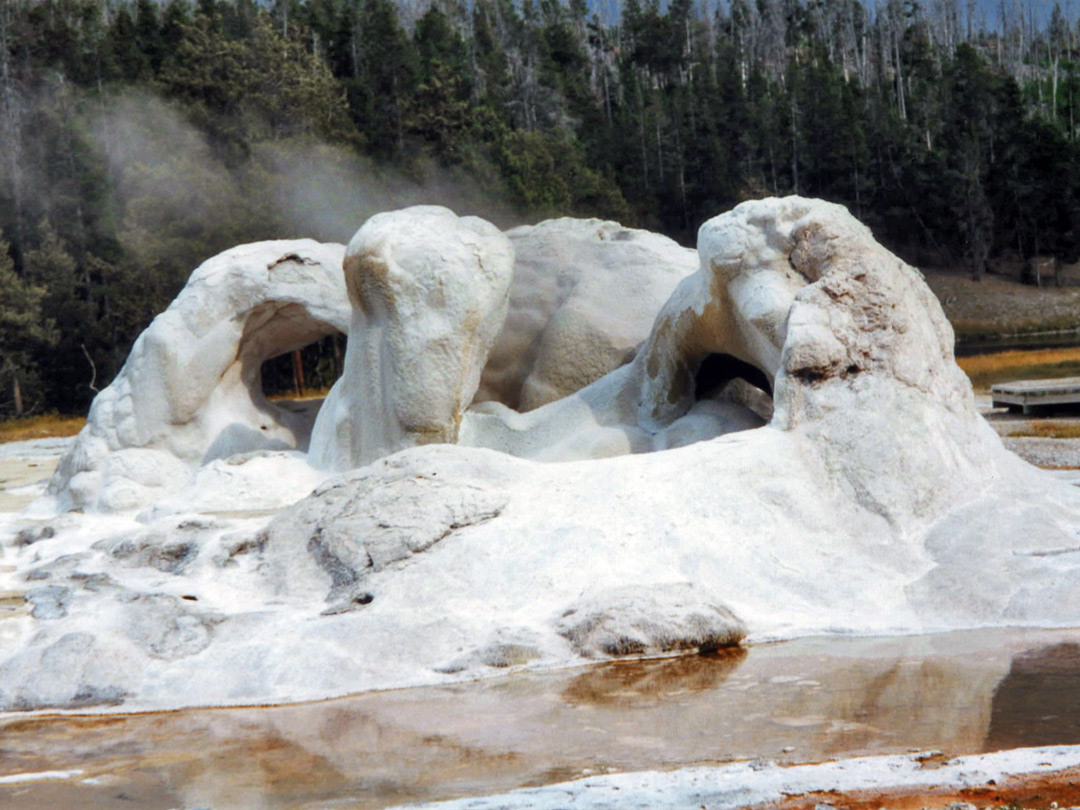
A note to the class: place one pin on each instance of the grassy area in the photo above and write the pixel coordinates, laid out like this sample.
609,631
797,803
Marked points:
1048,430
40,427
309,393
1005,325
987,369
999,305
984,370
53,425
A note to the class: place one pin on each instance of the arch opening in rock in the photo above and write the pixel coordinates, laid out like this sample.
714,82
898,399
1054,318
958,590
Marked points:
191,390
717,369
273,335
727,378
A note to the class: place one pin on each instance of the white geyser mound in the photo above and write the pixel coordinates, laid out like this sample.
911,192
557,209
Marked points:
791,450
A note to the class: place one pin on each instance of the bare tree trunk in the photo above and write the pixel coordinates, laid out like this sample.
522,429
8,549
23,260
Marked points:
858,196
10,119
682,177
901,106
604,76
794,143
772,169
641,132
1001,36
659,151
298,372
397,115
92,385
70,152
1053,90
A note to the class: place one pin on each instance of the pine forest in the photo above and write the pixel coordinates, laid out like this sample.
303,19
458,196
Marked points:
140,138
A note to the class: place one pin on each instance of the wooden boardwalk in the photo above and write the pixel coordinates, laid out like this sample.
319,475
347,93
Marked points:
1028,394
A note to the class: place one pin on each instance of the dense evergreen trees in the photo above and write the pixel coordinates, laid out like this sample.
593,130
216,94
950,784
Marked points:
140,137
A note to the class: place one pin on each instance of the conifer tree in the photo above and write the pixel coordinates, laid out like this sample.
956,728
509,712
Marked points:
24,335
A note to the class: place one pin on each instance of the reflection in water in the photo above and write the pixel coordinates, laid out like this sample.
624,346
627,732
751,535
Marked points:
636,683
1038,702
799,701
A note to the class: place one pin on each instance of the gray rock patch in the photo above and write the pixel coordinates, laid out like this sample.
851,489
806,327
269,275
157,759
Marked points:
167,553
29,536
62,567
49,601
162,626
70,673
358,526
649,620
508,649
508,655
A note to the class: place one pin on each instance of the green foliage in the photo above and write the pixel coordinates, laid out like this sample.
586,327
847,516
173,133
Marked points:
25,334
258,86
380,95
440,112
547,174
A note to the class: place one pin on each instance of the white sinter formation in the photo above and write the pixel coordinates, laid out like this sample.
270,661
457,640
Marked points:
871,498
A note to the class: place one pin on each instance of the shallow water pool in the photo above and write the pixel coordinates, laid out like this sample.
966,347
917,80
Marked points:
797,701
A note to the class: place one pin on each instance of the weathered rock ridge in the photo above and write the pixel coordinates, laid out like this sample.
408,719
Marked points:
871,497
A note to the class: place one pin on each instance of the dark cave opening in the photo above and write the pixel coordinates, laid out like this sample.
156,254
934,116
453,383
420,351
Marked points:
726,378
718,369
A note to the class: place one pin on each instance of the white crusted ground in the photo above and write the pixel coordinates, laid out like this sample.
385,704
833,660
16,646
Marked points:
746,784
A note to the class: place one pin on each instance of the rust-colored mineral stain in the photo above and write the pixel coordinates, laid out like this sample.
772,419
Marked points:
367,279
1038,792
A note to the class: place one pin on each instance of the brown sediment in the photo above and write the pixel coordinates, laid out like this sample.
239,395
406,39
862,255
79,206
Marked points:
1034,791
432,434
642,681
